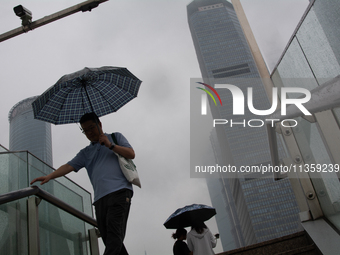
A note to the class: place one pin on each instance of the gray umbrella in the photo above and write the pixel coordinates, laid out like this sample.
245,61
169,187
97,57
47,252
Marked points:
100,90
189,215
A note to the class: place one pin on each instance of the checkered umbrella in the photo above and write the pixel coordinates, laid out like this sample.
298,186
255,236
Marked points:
101,90
188,215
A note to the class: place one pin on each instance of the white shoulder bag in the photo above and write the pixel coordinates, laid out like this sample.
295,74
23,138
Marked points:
127,166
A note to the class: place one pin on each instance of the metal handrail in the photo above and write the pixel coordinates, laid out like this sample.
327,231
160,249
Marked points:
30,153
34,190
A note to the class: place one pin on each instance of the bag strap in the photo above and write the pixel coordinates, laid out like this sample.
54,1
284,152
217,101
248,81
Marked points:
115,141
114,138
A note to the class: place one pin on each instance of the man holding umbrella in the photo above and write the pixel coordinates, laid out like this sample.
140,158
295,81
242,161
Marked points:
96,92
112,191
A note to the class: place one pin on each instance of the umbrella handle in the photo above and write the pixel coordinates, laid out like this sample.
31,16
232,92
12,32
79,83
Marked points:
88,98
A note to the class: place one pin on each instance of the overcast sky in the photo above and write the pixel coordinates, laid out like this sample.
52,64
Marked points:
152,39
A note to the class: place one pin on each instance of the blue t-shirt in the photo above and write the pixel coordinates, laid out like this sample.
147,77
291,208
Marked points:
102,167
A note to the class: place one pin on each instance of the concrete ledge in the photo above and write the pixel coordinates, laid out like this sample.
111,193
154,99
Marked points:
281,245
323,235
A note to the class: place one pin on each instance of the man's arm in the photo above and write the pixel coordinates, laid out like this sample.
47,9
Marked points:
61,171
126,152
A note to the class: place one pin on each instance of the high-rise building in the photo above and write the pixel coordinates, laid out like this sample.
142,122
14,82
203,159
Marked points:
225,58
27,133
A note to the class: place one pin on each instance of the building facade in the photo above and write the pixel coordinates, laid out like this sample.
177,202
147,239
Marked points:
27,133
225,58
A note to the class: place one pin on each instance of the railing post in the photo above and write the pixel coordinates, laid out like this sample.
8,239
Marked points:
33,226
305,193
33,219
93,239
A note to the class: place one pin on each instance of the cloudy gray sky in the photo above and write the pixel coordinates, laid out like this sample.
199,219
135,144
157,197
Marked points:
152,39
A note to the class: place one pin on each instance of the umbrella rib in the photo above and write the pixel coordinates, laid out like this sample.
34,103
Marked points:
103,97
87,95
84,106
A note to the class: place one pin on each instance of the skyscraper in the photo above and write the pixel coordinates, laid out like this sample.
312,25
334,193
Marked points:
225,58
27,133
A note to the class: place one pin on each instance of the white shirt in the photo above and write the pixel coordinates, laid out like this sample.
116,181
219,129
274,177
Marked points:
201,244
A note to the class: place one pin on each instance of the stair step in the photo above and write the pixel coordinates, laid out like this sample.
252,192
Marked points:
297,243
306,250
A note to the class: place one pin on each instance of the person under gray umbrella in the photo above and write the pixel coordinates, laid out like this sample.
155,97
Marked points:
112,191
180,247
86,95
200,239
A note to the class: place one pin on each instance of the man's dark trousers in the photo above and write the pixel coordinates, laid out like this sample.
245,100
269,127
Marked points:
112,212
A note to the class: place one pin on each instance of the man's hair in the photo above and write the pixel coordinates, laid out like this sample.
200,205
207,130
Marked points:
89,116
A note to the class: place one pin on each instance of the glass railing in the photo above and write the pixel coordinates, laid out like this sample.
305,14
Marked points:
312,61
59,231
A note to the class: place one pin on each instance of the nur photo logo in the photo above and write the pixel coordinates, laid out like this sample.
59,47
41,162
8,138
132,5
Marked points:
204,97
238,104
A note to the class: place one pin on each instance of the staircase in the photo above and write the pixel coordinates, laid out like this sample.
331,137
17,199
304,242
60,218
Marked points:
298,243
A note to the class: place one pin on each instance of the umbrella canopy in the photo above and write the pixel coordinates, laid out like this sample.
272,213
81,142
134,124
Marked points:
188,215
100,90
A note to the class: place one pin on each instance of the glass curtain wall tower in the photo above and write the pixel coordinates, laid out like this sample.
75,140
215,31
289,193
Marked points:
27,133
225,58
